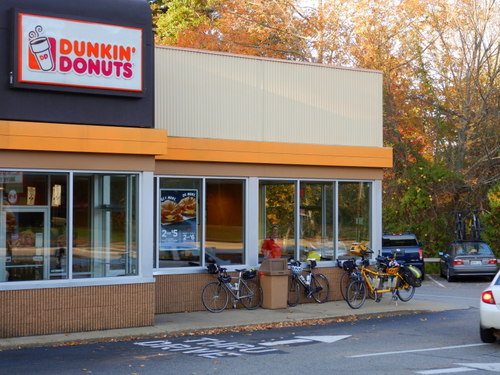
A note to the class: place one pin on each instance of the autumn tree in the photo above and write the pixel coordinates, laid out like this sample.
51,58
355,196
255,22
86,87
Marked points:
440,62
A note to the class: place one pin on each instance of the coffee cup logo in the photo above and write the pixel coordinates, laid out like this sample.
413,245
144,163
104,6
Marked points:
41,49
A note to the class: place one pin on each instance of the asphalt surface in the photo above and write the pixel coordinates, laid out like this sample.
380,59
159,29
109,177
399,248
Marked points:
204,322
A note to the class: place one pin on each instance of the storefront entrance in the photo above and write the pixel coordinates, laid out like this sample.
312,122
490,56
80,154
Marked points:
26,244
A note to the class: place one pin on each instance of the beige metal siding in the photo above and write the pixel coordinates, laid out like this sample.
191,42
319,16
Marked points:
208,95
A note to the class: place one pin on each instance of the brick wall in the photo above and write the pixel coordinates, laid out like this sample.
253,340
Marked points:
179,293
76,309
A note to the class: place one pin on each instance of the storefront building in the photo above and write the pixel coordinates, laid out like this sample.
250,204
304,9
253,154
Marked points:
121,181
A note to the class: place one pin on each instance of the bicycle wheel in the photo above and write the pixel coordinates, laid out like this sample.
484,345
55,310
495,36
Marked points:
344,283
320,287
293,291
356,294
214,297
253,293
405,292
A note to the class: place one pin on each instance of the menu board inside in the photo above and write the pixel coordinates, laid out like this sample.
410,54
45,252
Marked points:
178,219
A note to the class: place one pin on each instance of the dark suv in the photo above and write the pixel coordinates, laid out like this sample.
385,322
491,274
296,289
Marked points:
406,247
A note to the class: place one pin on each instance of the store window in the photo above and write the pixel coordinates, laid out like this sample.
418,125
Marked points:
225,213
331,216
354,208
316,221
34,225
193,209
277,219
104,225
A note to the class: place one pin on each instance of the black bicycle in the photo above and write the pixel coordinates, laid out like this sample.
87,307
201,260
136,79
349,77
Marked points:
349,266
315,285
241,288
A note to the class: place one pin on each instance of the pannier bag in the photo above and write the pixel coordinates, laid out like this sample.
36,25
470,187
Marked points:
213,268
411,275
348,265
416,271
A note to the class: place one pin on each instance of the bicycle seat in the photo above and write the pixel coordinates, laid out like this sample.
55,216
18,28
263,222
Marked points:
240,270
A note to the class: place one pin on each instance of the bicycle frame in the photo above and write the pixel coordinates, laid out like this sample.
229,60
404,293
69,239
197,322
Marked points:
379,276
234,287
303,281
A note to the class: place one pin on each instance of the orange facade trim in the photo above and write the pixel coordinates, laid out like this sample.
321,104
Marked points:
217,150
35,136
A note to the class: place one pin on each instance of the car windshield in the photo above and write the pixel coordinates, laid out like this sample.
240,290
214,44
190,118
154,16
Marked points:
399,241
472,248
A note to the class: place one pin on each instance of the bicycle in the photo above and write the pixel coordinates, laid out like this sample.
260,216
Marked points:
315,285
459,225
476,226
215,295
350,267
401,282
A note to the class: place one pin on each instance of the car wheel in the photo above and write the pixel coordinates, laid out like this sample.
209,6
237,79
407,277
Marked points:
487,335
449,278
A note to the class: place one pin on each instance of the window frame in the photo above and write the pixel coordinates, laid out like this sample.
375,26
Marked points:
335,201
142,275
197,269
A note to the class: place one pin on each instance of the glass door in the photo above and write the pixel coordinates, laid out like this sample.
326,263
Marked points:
26,251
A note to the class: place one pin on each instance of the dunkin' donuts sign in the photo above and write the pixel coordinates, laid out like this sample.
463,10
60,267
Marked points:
57,51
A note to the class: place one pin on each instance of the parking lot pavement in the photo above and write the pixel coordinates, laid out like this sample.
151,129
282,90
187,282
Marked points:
237,319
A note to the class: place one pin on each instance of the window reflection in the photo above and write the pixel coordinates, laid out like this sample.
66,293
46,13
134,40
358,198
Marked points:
105,230
277,213
316,221
354,214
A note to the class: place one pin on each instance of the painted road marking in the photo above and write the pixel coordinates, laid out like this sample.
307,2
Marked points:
207,347
452,370
304,339
415,350
494,367
437,282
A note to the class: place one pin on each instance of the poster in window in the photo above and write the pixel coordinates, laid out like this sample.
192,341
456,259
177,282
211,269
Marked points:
178,219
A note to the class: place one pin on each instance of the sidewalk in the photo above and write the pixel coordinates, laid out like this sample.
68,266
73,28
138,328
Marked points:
204,322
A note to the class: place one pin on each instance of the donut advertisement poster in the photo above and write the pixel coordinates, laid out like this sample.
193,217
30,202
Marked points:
178,219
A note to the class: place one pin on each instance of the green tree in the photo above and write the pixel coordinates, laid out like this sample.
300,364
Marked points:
441,68
491,220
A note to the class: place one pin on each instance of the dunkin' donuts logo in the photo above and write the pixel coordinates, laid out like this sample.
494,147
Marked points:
42,51
78,53
79,56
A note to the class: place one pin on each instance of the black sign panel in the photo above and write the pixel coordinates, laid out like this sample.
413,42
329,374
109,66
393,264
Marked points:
74,62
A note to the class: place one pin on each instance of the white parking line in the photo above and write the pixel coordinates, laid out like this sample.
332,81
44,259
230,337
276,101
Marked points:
415,350
494,367
452,370
437,282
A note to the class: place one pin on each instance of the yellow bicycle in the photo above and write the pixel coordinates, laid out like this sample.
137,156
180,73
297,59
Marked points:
390,277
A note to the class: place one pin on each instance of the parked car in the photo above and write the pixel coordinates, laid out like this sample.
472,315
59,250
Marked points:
406,246
489,311
467,258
